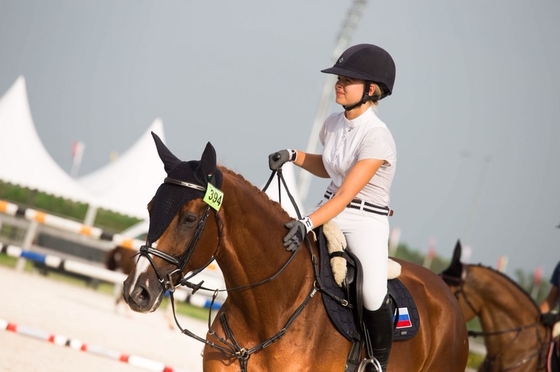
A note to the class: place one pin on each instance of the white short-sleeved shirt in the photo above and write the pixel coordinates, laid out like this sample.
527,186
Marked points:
365,137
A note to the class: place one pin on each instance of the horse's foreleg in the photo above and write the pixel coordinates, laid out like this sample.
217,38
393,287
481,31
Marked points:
117,293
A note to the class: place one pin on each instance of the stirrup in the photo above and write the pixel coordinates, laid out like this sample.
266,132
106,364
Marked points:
373,361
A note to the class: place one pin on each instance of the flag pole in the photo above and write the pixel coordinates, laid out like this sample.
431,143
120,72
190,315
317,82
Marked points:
78,148
343,41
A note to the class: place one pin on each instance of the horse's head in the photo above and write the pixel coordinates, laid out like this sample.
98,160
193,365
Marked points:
454,276
178,214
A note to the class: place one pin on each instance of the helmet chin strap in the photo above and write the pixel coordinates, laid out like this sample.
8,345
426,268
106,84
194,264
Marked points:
365,98
361,102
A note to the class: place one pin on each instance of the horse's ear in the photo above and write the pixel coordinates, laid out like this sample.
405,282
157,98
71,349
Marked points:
455,268
457,252
208,161
169,160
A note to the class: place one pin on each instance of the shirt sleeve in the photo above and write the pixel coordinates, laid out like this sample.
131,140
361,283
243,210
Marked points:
378,144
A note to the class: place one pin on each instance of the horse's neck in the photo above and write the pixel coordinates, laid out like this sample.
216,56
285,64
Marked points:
507,316
252,252
502,299
504,307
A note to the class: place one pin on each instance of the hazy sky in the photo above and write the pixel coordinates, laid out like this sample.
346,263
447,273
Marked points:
475,110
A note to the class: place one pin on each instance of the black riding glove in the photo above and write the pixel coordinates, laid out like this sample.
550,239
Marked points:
298,230
277,159
549,319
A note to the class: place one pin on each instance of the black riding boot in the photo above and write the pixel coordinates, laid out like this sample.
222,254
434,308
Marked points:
380,327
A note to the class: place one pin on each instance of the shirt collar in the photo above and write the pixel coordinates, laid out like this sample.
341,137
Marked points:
364,118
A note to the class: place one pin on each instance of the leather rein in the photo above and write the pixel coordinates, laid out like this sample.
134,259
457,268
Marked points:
232,348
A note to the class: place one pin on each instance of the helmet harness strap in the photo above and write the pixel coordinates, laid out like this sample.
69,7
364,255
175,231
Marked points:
365,97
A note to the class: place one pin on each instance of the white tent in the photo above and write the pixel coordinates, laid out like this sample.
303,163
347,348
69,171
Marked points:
124,186
24,160
130,182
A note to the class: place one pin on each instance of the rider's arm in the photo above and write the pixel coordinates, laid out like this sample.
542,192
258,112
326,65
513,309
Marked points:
312,163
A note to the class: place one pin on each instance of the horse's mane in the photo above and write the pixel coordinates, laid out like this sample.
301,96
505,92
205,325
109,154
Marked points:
511,281
257,194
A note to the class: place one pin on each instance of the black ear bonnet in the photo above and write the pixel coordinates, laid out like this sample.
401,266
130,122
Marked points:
455,269
185,181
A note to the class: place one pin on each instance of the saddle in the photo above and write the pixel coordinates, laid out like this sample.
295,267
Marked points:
341,277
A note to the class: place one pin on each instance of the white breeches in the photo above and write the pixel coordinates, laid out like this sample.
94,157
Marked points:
367,236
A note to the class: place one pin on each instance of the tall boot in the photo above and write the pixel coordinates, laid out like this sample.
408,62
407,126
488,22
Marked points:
379,324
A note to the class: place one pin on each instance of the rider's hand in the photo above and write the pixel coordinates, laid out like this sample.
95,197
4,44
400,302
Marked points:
298,230
549,319
279,158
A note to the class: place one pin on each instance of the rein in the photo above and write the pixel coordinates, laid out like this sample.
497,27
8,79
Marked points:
282,182
232,349
460,282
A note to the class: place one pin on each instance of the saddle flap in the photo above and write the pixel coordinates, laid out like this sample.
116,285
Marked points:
407,319
345,318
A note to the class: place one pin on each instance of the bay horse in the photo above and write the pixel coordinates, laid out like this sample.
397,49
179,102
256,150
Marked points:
514,337
274,318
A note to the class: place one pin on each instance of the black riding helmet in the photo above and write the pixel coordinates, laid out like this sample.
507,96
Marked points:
370,63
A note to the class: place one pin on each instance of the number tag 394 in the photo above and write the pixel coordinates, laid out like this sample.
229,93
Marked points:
213,197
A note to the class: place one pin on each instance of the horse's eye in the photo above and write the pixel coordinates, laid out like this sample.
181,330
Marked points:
190,219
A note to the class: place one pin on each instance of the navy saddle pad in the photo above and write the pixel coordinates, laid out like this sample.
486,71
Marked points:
407,320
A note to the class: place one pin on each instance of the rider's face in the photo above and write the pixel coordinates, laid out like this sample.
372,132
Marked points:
348,90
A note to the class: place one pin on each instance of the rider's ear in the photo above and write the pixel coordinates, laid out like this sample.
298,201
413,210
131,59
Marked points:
371,90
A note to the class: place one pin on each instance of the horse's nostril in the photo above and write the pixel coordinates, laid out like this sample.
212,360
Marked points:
141,295
145,295
139,299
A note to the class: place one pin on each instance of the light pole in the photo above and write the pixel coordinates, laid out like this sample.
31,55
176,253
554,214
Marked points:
350,23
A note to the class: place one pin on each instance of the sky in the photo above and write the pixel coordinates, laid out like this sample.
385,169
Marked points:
474,112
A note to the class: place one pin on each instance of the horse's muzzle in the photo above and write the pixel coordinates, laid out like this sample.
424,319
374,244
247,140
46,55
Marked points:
139,299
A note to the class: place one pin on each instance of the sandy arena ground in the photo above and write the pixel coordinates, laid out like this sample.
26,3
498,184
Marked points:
53,307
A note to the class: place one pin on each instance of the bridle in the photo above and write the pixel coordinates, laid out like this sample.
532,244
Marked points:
459,282
232,349
180,263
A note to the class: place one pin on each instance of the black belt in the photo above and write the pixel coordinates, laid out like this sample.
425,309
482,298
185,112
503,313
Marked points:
365,206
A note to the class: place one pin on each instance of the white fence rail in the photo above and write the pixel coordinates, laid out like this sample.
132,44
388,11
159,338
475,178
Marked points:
74,231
